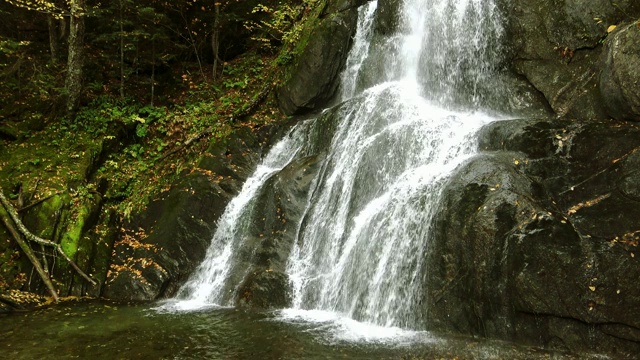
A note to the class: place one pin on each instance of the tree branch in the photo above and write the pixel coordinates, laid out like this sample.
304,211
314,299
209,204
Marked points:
30,255
31,237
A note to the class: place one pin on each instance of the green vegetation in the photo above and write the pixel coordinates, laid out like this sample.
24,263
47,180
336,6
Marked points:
155,75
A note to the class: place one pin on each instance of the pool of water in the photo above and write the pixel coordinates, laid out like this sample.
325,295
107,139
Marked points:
99,330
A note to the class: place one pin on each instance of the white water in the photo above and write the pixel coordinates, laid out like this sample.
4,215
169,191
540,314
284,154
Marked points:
204,287
403,130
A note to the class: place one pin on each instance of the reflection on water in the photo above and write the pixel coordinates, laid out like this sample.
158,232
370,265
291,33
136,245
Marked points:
97,330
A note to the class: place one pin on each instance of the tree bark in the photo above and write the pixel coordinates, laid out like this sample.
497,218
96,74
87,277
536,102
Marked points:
153,68
122,49
75,62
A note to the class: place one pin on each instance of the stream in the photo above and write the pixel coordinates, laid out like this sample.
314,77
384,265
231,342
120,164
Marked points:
99,330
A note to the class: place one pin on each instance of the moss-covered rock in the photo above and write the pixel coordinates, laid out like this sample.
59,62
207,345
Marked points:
48,177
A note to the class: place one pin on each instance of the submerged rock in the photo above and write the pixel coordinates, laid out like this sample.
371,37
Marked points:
537,238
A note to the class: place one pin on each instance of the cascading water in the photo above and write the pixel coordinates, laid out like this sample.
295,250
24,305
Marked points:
412,106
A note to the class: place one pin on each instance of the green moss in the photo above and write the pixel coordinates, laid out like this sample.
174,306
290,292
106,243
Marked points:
46,216
306,30
71,238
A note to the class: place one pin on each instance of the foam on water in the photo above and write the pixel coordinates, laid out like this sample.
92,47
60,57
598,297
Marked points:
336,327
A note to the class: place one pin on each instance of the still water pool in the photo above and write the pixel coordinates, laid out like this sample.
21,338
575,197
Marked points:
98,330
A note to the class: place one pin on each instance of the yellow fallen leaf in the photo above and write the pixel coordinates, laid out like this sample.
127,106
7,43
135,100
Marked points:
611,28
592,288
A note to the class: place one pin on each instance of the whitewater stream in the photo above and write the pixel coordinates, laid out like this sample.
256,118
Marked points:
411,105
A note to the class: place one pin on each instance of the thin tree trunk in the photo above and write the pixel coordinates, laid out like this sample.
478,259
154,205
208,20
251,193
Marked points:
54,43
192,41
30,255
75,62
121,49
63,29
215,40
153,68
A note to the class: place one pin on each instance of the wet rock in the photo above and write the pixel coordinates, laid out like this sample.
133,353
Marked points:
570,89
620,77
537,238
336,6
387,17
544,29
265,289
160,247
273,227
556,45
314,79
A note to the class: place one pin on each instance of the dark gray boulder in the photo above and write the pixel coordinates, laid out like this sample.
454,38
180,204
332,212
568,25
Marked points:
313,81
620,76
281,208
387,16
161,246
538,236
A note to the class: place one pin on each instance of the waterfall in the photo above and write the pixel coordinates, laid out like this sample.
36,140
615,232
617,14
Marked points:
205,286
412,103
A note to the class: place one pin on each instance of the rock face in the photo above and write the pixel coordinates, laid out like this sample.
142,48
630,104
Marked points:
314,80
282,203
556,45
160,247
537,239
387,17
620,77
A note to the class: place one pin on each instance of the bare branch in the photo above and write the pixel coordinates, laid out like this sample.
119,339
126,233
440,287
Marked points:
31,237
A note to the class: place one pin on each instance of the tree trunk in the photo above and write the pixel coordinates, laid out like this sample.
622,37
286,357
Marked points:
215,40
75,62
54,43
153,68
122,49
62,25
